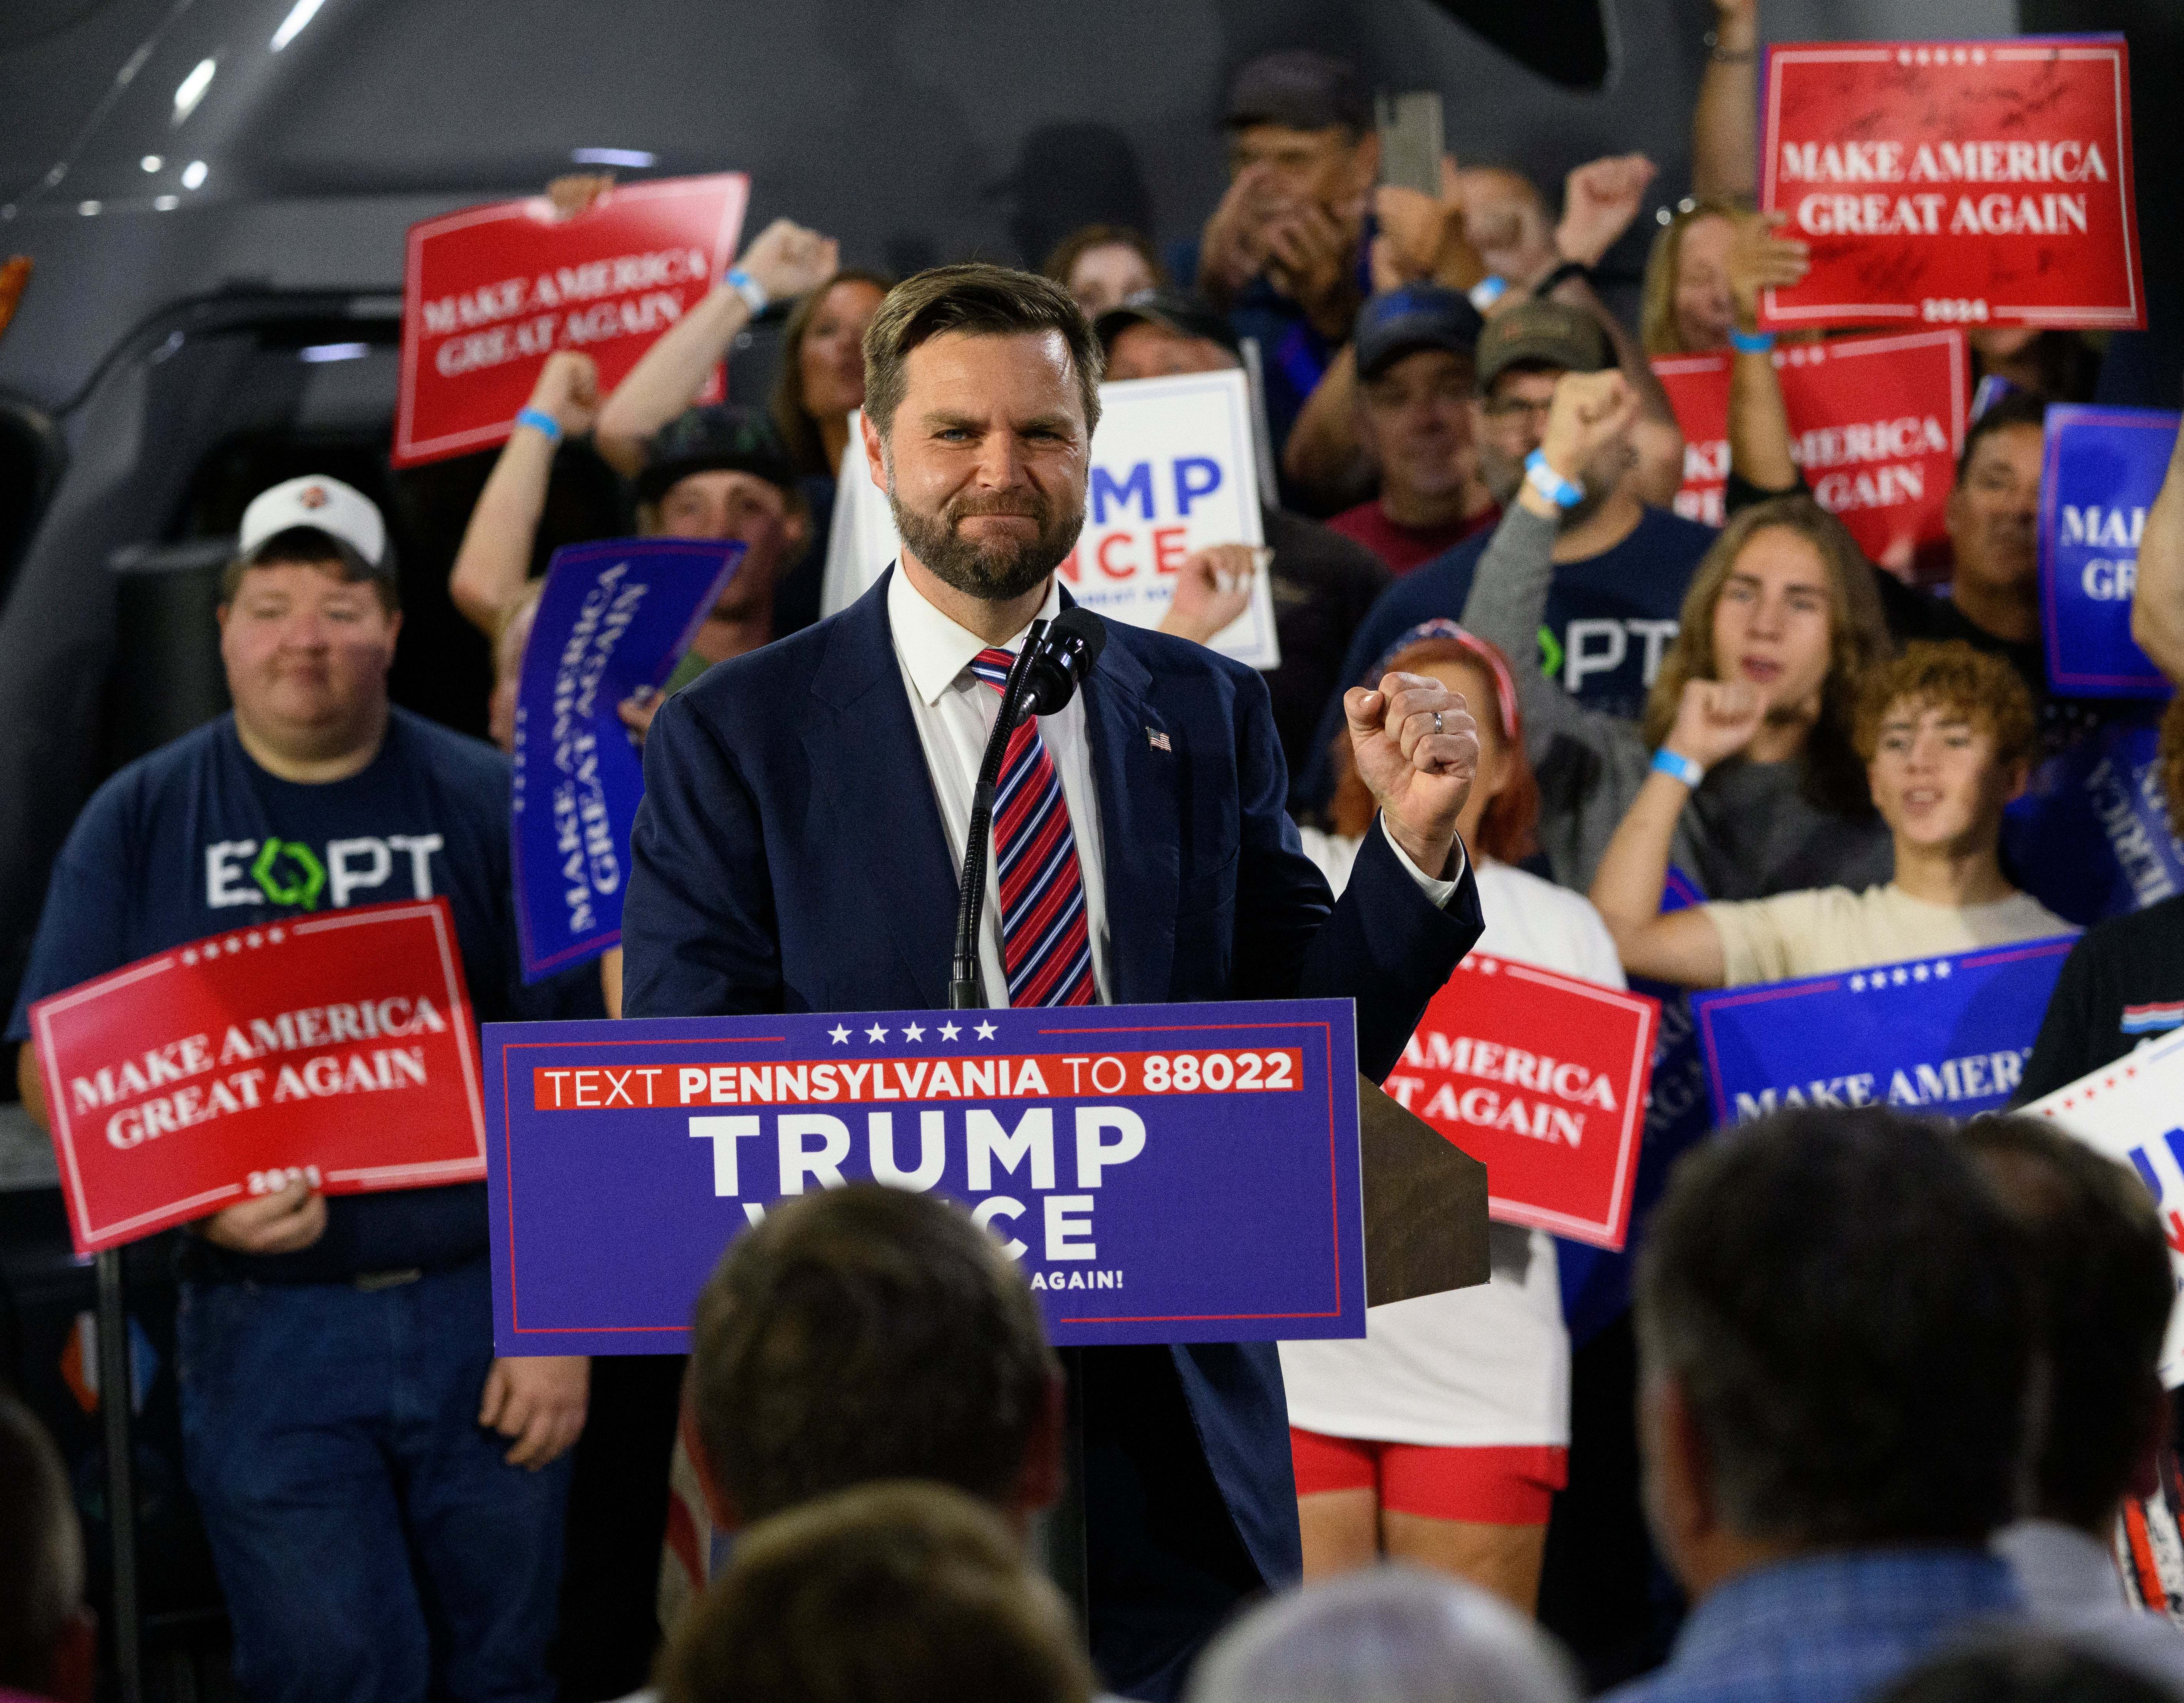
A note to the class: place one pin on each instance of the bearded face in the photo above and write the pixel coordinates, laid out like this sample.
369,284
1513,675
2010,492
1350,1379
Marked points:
994,563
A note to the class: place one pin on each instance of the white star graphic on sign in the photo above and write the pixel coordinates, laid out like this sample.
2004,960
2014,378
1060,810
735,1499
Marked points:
277,936
1857,984
1919,972
1943,968
254,937
949,1031
985,1032
913,1031
189,958
876,1033
840,1033
1899,978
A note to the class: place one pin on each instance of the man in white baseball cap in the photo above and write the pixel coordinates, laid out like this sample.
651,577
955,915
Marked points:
384,1499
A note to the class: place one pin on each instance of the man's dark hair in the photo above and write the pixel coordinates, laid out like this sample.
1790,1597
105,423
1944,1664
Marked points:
2025,1668
1848,1313
2019,407
41,1551
864,1333
887,1593
307,546
2102,1268
981,301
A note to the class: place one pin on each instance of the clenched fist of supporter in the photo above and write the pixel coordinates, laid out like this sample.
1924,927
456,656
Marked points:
538,1401
1590,411
1715,719
1600,200
284,1223
568,390
787,261
1418,751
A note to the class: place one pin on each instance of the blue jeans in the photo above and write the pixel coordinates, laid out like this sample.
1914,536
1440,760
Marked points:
372,1543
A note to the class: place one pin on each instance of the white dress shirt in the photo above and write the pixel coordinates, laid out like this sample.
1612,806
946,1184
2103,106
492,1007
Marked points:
955,712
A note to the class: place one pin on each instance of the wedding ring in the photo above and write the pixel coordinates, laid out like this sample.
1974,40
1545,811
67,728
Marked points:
1436,721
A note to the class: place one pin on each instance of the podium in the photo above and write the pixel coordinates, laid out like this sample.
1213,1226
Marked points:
1205,1174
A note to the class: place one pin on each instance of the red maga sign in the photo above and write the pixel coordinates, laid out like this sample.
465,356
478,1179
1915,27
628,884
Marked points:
1543,1078
1954,182
489,293
1875,424
201,1076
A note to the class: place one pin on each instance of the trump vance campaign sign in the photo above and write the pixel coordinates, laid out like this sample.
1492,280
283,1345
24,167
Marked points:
1954,182
1542,1077
338,1049
1173,471
1160,1173
487,293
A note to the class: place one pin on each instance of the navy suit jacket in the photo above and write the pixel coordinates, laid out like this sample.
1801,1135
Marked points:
790,856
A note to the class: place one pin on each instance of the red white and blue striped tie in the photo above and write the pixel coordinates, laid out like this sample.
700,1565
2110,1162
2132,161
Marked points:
1046,947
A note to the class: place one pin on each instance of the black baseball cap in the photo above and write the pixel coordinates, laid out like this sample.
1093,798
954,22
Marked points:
1551,334
720,436
1417,316
1187,316
1299,89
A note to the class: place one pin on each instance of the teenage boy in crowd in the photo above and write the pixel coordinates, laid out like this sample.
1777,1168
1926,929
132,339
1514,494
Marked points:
1621,566
1285,252
1946,732
1415,348
1322,584
1835,1334
383,1498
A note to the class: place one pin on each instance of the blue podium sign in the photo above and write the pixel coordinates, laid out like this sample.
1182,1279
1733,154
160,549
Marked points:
1185,1173
2103,469
1947,1035
614,617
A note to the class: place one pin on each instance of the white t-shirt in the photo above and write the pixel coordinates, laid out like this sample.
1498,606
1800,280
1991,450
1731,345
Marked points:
1823,929
1479,1367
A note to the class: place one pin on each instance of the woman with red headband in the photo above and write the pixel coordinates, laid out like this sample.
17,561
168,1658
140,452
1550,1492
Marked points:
1441,1438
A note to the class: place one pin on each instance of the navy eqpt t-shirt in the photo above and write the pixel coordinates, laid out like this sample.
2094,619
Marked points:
196,837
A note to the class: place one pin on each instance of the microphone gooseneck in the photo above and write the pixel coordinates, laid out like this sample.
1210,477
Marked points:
1055,658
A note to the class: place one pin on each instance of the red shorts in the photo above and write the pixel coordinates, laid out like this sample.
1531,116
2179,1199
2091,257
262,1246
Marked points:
1511,1486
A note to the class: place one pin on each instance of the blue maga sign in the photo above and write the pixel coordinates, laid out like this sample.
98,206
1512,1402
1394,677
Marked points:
2091,836
1163,1173
1946,1035
614,617
2103,467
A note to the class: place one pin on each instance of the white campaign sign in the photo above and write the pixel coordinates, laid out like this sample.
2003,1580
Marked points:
1172,471
2133,1111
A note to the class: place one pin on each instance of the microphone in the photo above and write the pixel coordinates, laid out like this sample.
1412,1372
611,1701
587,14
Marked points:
1053,662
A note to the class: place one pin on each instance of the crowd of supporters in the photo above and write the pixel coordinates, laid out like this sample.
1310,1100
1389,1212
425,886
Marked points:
1894,1383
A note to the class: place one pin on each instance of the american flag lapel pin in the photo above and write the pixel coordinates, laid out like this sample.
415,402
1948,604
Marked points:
1157,741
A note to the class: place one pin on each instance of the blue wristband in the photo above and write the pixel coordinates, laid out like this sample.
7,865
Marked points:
753,292
539,420
1488,290
1751,342
1679,767
1563,493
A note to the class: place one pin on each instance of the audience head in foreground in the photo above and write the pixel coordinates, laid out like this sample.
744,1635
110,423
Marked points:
893,1593
2025,1669
48,1641
2101,1266
864,1333
1836,1330
1388,1635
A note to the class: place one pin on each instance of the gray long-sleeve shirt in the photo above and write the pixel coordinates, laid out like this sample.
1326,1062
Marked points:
1748,831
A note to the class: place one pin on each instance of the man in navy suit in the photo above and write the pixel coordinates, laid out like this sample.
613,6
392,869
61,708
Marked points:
806,812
